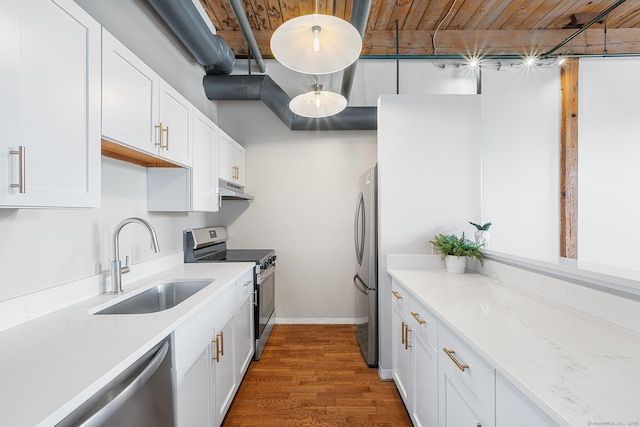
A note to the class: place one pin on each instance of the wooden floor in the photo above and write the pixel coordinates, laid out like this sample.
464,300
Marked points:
314,375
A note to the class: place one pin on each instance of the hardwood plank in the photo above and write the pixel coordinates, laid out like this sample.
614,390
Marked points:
569,160
315,375
418,9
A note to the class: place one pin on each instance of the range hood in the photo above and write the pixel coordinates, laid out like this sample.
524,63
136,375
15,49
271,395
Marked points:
231,191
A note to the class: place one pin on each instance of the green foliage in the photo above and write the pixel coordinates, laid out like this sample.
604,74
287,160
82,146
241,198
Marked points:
484,227
458,246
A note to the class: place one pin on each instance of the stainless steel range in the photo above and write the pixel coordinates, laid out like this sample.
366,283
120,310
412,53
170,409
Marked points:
210,245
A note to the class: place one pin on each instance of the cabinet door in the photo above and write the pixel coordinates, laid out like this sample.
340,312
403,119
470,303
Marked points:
50,125
457,405
245,332
204,170
130,92
401,354
226,164
240,160
223,368
174,126
425,408
192,388
232,160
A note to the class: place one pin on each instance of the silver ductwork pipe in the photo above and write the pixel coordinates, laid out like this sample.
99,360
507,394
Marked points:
263,88
359,18
241,15
209,49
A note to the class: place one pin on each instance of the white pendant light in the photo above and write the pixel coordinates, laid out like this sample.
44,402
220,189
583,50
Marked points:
318,103
316,44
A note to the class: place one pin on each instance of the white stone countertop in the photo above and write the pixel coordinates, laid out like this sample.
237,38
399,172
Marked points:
579,369
50,365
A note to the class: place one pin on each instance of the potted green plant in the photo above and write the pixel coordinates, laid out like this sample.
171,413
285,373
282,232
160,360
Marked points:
482,233
454,251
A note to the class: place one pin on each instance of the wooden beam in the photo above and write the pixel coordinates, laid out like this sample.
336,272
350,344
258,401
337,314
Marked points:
463,42
569,160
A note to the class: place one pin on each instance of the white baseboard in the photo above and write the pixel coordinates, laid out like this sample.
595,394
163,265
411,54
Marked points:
315,321
385,374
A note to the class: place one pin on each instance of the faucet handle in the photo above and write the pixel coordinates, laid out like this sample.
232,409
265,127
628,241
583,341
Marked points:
126,267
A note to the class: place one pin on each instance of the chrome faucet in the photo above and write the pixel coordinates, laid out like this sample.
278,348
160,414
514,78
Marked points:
116,269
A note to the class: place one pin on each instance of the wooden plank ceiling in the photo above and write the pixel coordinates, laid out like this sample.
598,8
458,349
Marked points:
464,27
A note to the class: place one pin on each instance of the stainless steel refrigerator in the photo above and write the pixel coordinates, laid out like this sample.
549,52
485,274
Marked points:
366,277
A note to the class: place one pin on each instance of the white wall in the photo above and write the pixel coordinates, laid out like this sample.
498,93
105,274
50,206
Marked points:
521,160
429,169
609,183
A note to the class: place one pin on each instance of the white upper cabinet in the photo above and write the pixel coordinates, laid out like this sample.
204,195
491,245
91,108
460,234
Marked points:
231,161
204,169
139,109
50,105
174,126
130,97
189,189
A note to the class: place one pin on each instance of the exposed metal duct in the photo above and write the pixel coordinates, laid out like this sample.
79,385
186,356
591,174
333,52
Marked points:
359,18
263,88
209,49
238,9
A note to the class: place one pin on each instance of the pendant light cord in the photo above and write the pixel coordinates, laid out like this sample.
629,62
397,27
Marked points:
435,33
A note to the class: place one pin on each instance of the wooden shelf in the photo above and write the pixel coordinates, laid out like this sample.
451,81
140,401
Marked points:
129,155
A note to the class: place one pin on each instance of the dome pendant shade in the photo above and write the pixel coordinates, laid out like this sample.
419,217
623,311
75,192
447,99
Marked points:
318,103
316,44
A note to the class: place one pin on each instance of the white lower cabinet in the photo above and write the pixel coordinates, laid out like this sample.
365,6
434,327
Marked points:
443,381
415,369
223,368
206,349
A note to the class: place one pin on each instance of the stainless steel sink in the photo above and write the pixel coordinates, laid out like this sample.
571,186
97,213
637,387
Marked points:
158,298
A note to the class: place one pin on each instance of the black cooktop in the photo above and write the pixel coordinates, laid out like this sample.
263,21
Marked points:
239,255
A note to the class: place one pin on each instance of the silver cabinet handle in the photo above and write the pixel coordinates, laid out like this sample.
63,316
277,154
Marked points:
21,153
116,402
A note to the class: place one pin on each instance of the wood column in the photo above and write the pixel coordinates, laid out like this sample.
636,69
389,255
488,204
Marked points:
569,160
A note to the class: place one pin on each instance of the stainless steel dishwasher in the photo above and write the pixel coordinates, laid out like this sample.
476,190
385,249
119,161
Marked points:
142,395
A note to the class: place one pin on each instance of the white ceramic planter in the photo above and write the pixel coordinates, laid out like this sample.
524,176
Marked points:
482,237
455,264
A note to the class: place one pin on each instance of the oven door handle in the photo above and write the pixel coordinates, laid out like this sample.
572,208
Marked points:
266,274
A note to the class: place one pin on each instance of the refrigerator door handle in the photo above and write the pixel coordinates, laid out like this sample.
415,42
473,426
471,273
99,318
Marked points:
359,229
360,286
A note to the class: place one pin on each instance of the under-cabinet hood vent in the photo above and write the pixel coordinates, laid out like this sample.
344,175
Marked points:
231,191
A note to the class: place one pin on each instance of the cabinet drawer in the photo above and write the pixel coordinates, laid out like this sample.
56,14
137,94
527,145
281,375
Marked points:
514,409
244,284
400,297
423,322
474,372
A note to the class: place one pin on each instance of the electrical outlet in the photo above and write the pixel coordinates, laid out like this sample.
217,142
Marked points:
136,254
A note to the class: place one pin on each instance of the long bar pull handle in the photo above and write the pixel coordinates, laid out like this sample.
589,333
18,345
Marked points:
396,294
406,339
255,298
217,348
21,153
166,144
221,343
161,129
418,319
451,353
